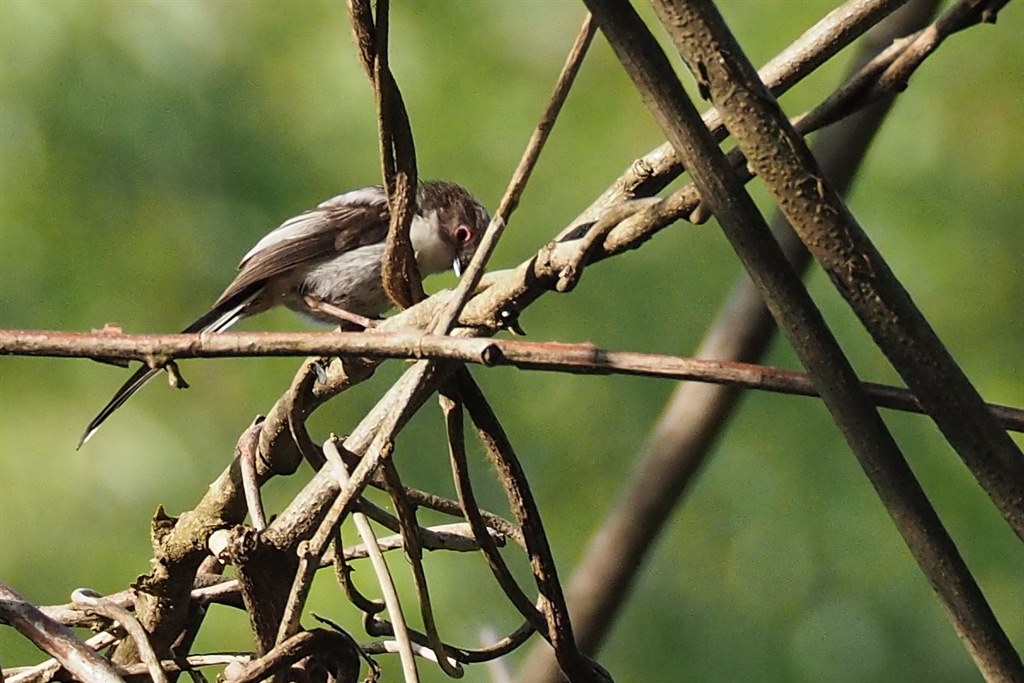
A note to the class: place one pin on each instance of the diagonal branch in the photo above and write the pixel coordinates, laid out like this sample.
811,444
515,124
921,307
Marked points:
792,308
521,175
857,269
695,417
451,406
575,665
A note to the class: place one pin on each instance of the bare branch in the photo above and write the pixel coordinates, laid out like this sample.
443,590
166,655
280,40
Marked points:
574,664
855,266
452,407
684,438
790,305
401,277
92,600
380,567
335,650
54,639
543,356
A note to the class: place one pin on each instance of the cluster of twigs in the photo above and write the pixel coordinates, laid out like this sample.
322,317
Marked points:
151,627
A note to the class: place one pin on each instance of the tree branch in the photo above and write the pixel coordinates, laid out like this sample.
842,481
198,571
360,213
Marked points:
585,359
699,33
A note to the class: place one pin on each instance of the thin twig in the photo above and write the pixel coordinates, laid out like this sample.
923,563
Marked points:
380,568
451,406
575,665
544,356
457,538
382,628
337,650
887,75
90,599
343,575
498,649
424,651
309,562
413,551
245,451
521,175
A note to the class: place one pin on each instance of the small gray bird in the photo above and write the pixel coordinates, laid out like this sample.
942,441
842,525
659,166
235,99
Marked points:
326,263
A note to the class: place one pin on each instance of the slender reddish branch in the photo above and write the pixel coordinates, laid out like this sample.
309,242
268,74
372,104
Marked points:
545,356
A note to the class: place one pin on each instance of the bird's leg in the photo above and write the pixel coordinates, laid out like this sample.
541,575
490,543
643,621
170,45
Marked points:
319,367
343,316
340,313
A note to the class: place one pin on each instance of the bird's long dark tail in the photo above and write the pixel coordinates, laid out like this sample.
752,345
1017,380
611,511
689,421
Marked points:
216,320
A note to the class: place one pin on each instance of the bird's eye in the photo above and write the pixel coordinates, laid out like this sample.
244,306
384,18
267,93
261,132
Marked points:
463,234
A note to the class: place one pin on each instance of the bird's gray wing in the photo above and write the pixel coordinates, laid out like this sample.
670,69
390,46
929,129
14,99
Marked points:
332,228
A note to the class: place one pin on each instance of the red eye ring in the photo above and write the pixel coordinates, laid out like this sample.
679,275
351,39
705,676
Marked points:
463,234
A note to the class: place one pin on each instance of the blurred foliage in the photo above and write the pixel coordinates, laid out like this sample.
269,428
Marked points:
144,146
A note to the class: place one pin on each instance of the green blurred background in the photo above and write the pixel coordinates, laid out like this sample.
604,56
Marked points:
145,146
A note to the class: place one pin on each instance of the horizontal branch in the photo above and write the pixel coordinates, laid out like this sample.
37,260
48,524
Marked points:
583,358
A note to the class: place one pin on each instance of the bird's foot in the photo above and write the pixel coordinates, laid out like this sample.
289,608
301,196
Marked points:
339,313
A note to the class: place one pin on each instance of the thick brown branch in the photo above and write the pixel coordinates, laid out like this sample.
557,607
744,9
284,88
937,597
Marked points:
695,418
840,245
699,33
820,217
401,277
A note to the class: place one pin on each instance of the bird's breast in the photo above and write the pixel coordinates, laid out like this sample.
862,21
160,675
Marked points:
351,281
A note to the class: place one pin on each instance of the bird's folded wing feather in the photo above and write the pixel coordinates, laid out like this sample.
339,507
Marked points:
330,229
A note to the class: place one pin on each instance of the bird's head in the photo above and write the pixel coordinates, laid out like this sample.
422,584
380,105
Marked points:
453,222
